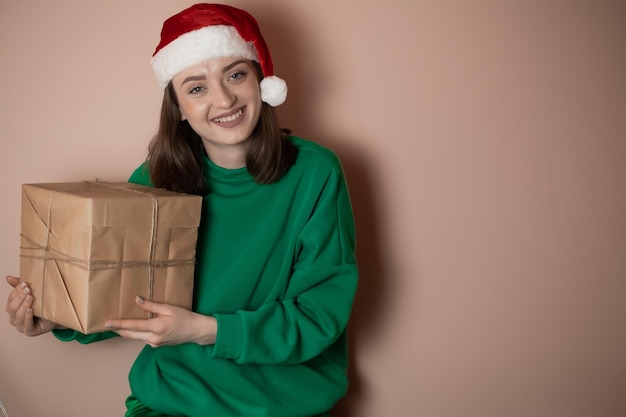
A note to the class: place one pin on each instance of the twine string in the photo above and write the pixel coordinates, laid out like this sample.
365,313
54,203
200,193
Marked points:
153,235
151,254
97,265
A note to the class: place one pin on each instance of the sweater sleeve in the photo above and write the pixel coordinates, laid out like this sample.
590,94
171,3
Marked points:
315,310
139,176
68,335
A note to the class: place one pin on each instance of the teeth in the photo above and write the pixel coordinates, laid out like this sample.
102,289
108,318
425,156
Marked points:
229,118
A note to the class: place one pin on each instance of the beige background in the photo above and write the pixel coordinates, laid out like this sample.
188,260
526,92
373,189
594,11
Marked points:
485,148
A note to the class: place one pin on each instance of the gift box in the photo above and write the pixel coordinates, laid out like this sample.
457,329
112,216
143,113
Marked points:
89,248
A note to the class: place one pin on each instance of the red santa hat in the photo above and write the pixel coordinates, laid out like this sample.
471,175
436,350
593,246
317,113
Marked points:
206,31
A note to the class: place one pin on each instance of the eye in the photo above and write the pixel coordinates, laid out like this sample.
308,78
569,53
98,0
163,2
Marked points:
196,90
239,75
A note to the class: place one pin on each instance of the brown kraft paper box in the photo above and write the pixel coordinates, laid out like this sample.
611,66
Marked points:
89,248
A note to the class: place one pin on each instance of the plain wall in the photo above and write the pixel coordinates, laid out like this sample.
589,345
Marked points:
484,144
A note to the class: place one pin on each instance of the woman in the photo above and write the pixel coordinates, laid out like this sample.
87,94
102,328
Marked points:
276,272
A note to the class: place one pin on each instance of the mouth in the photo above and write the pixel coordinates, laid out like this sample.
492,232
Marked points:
230,118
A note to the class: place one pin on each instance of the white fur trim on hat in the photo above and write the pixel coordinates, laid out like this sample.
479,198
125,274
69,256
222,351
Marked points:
198,46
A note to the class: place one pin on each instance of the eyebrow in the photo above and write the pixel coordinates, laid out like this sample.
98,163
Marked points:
193,78
203,77
232,65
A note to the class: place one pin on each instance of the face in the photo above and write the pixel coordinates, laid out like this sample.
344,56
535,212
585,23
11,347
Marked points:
221,100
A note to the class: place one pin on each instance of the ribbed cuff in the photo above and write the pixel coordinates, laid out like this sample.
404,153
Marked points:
229,341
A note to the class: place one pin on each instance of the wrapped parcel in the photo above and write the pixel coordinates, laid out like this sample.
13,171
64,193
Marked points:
89,248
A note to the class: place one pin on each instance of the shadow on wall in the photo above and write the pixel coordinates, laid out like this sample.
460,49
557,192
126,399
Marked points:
305,78
370,294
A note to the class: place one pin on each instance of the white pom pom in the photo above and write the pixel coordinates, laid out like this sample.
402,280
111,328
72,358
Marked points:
273,90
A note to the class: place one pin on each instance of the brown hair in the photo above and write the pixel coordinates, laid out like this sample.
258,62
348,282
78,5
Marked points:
175,154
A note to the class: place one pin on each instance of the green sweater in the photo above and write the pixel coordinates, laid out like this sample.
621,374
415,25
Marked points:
276,267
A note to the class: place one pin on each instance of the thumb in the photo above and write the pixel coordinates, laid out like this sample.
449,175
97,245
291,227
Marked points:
13,281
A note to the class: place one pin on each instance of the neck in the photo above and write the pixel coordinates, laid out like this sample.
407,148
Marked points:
227,156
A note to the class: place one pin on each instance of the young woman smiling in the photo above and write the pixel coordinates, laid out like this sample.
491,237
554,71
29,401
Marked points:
276,273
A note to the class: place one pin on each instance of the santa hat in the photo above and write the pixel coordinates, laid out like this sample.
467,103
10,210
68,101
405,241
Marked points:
206,31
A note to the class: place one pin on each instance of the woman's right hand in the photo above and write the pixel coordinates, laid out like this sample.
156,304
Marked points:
20,310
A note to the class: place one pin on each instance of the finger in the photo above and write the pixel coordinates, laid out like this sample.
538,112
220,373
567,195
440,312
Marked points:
16,298
13,281
21,314
133,334
131,325
29,321
151,306
148,338
141,325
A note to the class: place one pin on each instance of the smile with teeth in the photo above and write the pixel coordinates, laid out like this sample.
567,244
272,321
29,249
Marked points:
230,118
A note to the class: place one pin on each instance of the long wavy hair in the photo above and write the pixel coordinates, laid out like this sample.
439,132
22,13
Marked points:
175,154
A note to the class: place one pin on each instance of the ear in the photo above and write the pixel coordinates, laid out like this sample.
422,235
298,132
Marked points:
182,115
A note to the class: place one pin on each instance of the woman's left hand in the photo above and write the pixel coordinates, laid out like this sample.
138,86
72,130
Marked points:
171,325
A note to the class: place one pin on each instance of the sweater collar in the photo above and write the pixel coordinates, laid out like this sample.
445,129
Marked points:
237,175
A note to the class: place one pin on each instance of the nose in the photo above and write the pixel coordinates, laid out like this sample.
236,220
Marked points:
223,97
